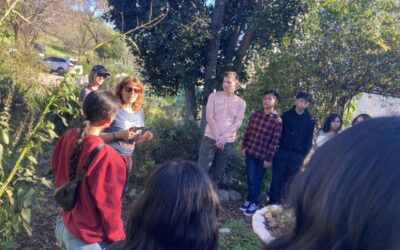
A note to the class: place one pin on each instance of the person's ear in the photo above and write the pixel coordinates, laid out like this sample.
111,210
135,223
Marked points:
107,122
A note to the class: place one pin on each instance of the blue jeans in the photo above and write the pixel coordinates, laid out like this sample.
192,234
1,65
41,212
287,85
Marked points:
255,175
69,242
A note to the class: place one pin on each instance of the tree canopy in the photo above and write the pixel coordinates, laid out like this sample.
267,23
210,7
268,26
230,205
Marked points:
340,50
183,49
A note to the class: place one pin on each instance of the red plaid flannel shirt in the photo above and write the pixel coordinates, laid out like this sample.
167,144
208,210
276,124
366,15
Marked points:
262,135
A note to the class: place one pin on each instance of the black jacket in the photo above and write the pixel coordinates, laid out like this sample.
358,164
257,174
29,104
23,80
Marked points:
297,131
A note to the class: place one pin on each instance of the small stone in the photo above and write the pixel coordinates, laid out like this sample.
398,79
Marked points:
234,196
223,195
224,230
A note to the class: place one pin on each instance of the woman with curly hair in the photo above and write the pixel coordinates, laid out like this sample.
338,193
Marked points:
123,133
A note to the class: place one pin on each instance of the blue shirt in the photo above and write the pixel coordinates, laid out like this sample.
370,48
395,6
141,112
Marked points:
125,119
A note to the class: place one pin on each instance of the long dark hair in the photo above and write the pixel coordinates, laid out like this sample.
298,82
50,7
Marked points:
327,123
177,210
364,116
348,197
97,106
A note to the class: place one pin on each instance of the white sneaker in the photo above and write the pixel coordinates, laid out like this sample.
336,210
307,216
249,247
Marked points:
251,210
245,205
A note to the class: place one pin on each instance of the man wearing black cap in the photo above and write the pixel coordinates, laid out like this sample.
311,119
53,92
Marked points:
97,76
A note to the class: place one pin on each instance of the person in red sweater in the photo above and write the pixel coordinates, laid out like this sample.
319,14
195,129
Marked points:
95,221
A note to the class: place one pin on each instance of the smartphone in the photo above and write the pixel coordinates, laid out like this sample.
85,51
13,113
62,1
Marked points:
134,129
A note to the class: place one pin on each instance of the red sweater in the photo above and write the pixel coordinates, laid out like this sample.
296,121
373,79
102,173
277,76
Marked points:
97,212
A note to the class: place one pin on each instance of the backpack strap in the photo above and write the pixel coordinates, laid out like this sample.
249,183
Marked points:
89,160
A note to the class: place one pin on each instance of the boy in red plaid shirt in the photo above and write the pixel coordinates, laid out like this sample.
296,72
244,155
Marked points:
260,142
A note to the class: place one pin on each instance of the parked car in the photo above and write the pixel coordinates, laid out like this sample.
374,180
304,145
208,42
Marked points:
62,65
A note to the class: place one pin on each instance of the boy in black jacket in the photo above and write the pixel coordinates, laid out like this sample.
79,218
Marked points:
295,143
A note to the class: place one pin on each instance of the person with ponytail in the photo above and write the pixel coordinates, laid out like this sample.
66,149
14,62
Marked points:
95,221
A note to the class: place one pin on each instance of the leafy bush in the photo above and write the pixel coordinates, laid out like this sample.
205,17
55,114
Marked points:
172,139
33,133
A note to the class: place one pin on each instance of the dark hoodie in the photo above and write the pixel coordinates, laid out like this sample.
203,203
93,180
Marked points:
297,131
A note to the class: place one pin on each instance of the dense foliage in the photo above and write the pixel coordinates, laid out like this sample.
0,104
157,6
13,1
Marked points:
27,129
176,52
340,50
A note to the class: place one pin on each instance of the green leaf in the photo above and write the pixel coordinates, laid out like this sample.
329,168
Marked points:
4,124
1,153
10,197
64,121
47,183
28,198
27,228
4,137
26,214
52,134
32,159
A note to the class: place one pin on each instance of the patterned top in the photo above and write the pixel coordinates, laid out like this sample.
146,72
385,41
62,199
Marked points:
262,134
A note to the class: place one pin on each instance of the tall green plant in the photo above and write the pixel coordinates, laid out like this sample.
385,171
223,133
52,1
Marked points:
18,168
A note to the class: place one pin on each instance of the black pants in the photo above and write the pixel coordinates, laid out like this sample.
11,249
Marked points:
285,165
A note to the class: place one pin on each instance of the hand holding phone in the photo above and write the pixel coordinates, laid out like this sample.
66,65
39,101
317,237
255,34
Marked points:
134,129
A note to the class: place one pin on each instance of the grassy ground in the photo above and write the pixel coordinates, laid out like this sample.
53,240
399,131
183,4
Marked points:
54,47
241,236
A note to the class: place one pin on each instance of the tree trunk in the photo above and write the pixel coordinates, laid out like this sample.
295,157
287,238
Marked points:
212,55
190,103
234,37
243,50
232,44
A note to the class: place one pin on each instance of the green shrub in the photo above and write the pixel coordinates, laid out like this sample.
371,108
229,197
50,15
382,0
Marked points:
33,133
172,139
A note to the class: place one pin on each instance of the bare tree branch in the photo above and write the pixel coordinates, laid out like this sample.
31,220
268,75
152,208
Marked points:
21,16
9,11
147,25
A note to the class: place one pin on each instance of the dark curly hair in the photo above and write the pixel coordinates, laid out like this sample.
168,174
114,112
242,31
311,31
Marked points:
327,123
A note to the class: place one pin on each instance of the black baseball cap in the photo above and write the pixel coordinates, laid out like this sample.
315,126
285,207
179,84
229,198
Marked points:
100,69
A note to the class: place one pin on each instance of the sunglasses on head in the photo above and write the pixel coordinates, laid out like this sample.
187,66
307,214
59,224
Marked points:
102,75
130,90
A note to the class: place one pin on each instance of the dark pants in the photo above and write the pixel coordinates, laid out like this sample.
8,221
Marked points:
285,165
213,159
255,175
